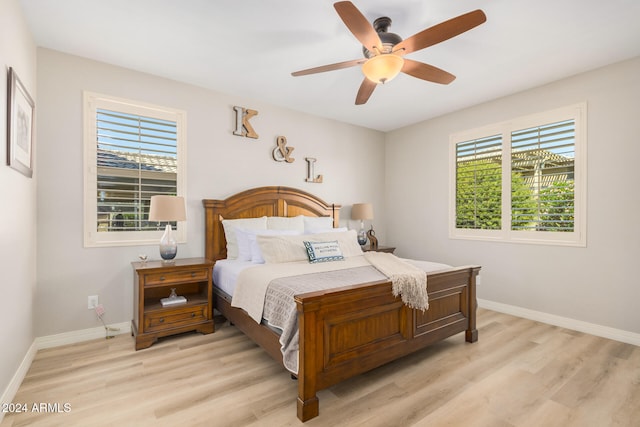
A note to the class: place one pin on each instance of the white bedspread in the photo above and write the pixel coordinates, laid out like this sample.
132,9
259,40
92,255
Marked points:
253,282
226,272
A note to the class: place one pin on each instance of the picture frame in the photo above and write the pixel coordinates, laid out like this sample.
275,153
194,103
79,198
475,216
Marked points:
20,112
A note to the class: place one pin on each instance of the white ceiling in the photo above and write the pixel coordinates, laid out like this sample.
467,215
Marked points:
249,48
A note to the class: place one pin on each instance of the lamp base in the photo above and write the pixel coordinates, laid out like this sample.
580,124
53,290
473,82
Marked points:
362,237
168,245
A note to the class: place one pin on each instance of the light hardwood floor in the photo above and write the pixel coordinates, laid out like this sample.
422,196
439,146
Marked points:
519,373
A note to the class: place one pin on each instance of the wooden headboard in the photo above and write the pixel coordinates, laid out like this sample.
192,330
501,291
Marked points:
257,202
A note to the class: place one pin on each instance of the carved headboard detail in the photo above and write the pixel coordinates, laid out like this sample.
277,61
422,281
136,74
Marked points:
257,202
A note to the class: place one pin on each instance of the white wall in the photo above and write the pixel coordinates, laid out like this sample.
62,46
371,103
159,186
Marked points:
17,206
598,284
219,164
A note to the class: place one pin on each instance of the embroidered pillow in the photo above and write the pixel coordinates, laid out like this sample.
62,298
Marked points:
323,251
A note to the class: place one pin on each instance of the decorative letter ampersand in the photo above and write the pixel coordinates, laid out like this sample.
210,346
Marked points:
282,153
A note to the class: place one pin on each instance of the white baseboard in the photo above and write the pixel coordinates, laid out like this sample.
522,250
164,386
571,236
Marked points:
564,322
81,335
14,384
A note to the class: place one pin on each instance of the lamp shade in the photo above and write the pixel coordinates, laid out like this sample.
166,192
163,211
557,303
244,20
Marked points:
362,211
167,208
382,68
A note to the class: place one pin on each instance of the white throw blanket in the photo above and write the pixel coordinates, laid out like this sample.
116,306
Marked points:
408,281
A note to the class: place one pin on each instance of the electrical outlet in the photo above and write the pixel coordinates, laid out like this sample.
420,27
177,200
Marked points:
92,302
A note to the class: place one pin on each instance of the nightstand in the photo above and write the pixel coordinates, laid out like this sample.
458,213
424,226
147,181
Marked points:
388,249
153,280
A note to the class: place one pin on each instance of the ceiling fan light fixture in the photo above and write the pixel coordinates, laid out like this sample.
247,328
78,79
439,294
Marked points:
382,68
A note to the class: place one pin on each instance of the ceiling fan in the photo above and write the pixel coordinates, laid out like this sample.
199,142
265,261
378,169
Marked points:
384,51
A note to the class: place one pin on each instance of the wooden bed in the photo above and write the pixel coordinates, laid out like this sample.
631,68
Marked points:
345,331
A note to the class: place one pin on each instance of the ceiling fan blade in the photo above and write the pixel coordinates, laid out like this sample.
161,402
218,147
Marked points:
427,72
330,67
366,89
441,32
358,25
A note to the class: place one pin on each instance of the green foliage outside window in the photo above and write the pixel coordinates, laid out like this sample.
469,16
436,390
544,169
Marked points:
524,208
478,195
557,207
479,202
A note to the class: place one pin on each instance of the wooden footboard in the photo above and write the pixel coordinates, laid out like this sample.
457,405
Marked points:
352,330
345,331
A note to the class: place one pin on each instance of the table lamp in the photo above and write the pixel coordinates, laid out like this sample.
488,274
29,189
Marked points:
362,211
167,208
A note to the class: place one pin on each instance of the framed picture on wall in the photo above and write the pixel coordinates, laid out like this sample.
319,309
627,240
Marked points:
20,109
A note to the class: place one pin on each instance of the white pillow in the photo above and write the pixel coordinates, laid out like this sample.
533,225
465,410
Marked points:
230,226
255,255
242,238
314,224
285,223
276,249
323,251
330,230
348,241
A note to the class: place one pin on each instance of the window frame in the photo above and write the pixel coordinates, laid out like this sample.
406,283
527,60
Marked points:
92,102
578,237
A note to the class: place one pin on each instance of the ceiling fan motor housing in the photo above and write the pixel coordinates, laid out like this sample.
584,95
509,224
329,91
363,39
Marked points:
389,40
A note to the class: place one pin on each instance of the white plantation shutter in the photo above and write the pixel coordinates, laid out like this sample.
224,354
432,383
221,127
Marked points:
137,158
544,156
132,152
523,180
478,183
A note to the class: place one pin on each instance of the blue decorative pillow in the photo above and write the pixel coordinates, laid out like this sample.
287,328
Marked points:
323,251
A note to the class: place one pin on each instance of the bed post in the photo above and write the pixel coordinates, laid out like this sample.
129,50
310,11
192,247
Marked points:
471,334
308,405
215,245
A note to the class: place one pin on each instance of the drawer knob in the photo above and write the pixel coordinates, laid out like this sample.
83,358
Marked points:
193,315
162,320
161,278
193,274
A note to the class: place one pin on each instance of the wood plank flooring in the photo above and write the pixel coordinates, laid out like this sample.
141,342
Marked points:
519,373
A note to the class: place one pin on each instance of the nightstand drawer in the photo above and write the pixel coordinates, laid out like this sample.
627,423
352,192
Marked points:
167,278
174,318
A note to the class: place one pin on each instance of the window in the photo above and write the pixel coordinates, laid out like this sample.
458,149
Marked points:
132,151
523,180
